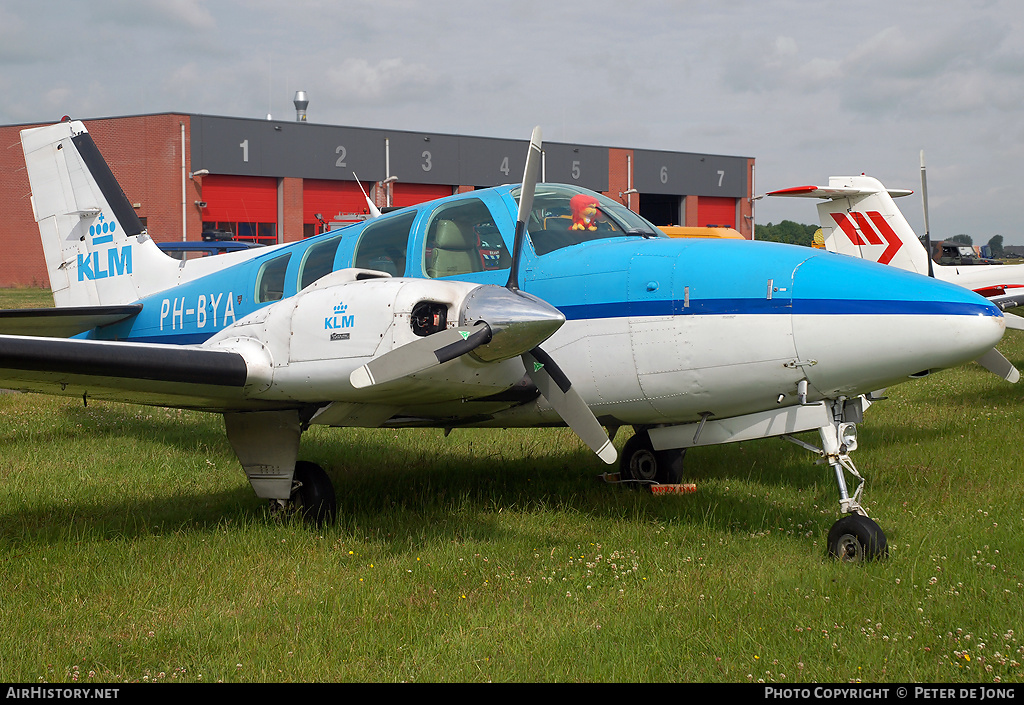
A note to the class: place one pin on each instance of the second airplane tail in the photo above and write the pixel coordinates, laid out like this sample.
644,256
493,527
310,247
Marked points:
859,217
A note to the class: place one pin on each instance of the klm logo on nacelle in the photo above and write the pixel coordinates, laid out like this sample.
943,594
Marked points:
118,261
339,319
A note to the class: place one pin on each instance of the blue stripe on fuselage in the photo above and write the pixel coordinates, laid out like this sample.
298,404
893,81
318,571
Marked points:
832,307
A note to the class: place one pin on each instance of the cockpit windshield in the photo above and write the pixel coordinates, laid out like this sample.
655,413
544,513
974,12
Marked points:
563,216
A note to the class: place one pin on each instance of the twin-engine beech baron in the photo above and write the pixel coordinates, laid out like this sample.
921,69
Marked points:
435,315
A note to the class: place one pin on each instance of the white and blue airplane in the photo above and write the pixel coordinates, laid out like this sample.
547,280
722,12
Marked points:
485,309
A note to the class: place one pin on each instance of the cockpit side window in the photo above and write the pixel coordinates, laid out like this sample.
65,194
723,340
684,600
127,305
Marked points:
383,244
462,237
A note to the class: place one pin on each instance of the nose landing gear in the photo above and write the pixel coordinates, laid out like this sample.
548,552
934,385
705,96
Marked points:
855,538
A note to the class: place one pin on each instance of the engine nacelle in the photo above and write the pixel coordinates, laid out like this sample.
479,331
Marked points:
310,343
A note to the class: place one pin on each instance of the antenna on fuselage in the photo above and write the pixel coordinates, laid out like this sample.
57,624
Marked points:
374,210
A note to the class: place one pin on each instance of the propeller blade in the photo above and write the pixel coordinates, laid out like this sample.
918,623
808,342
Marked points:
557,389
1013,321
420,355
924,204
533,159
994,362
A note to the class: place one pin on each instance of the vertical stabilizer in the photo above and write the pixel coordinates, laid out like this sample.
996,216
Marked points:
859,217
97,251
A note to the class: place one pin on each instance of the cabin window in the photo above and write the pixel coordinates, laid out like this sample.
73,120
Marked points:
318,261
383,244
462,237
270,280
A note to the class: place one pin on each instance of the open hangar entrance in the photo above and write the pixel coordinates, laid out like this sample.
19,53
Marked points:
693,190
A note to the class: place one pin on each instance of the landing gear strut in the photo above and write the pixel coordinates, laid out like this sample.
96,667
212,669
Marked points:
854,538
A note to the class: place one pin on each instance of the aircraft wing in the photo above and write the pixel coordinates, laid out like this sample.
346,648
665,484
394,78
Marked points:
62,322
162,375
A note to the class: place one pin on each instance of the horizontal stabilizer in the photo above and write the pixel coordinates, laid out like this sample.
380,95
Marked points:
62,322
833,192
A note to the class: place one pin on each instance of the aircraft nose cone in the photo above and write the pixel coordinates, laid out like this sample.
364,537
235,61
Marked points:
867,326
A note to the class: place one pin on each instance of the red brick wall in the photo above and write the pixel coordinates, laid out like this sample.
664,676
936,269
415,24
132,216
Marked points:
144,152
690,204
618,177
290,212
21,257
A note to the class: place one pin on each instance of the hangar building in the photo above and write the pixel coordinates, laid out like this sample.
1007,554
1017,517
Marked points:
271,181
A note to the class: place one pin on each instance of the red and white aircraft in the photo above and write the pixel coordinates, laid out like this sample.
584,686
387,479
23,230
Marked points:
859,217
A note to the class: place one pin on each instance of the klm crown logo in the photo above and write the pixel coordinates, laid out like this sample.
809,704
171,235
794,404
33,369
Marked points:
339,319
102,232
117,260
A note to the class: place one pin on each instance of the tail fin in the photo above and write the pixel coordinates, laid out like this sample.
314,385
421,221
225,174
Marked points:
860,218
97,251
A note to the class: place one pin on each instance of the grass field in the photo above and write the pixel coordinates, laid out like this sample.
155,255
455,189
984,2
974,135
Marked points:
133,549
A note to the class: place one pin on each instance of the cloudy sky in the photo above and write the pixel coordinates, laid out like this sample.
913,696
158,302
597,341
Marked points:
809,89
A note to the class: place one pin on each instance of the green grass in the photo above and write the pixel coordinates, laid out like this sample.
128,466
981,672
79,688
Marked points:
133,549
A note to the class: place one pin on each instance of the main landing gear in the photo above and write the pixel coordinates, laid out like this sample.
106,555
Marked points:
641,464
267,446
312,494
639,461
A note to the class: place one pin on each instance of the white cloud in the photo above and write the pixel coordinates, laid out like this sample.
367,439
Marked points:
388,81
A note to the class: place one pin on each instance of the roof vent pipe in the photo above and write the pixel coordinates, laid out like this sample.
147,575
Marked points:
301,102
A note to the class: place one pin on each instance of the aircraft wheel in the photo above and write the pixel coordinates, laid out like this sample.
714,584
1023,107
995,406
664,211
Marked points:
313,494
641,462
855,539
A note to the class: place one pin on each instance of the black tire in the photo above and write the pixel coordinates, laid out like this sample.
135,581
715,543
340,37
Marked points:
856,539
314,494
642,463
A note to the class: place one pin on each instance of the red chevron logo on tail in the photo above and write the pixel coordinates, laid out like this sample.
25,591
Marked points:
870,229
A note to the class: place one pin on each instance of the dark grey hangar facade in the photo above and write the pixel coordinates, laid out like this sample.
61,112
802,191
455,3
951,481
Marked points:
270,181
